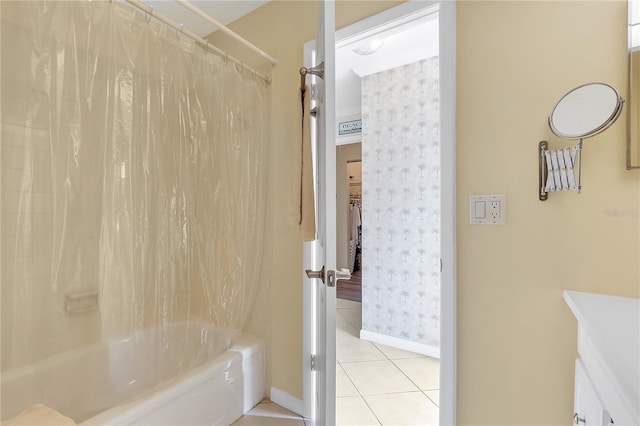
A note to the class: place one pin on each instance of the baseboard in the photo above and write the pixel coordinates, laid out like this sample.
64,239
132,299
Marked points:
287,401
395,342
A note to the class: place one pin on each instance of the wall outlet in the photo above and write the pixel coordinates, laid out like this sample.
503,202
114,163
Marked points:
488,209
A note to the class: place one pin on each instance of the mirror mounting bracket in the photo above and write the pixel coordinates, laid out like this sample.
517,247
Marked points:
543,146
557,169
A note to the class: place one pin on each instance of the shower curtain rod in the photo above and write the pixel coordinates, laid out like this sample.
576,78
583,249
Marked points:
227,31
148,10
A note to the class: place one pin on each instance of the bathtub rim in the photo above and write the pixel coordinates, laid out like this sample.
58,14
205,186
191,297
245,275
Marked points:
247,354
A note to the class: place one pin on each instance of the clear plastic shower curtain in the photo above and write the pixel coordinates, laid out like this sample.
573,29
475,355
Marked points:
133,173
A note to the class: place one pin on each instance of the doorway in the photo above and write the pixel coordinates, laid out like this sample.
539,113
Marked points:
446,18
349,220
387,81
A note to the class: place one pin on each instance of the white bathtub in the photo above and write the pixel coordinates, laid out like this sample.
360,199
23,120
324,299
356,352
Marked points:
123,382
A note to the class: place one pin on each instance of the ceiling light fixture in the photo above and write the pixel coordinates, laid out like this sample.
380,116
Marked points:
370,47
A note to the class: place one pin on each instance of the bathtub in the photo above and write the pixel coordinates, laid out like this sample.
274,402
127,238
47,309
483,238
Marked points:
121,382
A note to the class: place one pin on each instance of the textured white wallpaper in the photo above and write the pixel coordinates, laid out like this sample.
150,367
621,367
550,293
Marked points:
401,203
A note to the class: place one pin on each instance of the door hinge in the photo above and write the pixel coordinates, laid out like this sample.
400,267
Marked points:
313,363
440,264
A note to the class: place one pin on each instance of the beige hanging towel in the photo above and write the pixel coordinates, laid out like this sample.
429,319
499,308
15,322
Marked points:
307,200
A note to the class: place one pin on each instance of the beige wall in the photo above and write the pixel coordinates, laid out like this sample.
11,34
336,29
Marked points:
344,154
516,336
281,28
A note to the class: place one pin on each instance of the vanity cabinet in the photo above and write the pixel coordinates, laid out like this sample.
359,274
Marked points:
588,407
607,373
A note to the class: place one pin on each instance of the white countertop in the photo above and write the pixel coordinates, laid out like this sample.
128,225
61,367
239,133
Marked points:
611,327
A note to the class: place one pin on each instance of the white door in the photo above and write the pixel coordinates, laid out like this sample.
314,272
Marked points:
323,250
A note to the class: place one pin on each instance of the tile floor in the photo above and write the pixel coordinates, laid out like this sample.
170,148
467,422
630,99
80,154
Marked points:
375,384
378,384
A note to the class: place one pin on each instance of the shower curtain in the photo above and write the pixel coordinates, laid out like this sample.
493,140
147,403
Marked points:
133,175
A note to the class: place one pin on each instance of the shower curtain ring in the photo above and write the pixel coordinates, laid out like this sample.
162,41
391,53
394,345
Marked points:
241,67
181,31
150,14
226,58
206,48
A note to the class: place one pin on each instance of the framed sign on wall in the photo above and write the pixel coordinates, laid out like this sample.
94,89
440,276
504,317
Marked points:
349,129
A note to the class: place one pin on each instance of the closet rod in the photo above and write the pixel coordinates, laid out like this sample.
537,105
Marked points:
199,40
227,31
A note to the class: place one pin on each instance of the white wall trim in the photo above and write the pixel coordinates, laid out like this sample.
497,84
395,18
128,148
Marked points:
404,12
398,343
308,338
287,401
448,307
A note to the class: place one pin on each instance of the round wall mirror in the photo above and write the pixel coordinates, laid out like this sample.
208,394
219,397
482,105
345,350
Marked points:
586,111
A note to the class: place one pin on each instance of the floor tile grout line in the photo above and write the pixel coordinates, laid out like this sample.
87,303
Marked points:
418,355
359,393
365,360
389,393
341,314
405,374
437,404
357,327
371,409
415,384
385,393
351,324
350,381
365,403
362,397
362,360
345,317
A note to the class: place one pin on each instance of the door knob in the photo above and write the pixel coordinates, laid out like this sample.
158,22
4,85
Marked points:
343,274
316,274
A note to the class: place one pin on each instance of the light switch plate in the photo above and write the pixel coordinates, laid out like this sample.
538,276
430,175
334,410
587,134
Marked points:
488,209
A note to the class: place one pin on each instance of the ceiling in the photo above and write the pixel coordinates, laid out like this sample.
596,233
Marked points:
224,11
